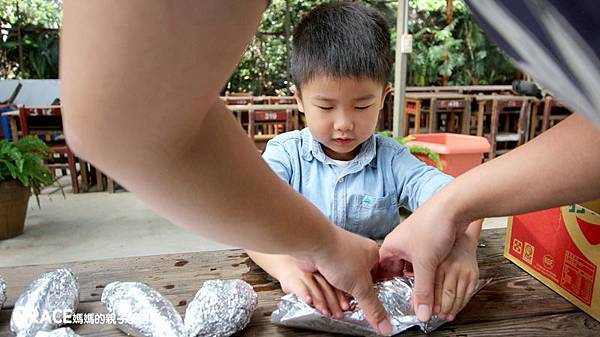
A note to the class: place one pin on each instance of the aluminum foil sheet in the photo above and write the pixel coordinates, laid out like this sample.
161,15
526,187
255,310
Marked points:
2,291
395,294
142,311
220,308
45,302
61,332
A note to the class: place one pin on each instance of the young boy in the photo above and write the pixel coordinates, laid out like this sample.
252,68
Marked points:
340,65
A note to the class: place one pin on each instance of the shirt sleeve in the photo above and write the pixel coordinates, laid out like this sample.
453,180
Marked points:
278,159
416,181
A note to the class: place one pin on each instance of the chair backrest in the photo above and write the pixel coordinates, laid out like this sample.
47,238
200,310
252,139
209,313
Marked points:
46,121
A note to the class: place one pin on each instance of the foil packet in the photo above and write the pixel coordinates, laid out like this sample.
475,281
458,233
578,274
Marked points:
45,303
394,294
142,311
220,308
2,291
60,332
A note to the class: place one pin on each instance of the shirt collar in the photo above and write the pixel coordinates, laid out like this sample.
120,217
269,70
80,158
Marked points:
311,148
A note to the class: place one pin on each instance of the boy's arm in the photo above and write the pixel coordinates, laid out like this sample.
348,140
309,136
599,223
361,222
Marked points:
416,181
272,263
309,287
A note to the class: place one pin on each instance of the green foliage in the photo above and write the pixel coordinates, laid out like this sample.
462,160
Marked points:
38,21
415,149
24,161
458,50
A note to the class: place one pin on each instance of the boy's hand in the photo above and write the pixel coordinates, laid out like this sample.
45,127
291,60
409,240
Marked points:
313,289
456,278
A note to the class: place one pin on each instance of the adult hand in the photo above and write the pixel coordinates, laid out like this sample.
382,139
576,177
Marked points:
346,263
425,239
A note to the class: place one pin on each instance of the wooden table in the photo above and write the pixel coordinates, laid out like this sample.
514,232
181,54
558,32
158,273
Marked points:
513,304
437,100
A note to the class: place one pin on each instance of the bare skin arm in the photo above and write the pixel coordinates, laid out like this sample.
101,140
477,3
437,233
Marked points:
556,168
140,85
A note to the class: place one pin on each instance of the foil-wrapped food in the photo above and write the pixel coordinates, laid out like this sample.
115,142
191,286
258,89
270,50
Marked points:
2,291
220,308
60,332
142,311
45,303
395,294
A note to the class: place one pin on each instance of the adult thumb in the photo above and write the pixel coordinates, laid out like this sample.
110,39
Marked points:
423,292
374,311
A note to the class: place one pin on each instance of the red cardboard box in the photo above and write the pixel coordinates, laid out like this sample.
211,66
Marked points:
561,248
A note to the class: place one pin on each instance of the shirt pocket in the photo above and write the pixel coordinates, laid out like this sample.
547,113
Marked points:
371,216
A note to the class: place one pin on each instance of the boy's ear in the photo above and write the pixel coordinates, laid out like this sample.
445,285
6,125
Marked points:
298,98
388,89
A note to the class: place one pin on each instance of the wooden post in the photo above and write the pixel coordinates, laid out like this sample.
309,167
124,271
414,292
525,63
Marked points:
522,122
493,129
480,115
20,39
546,115
534,119
432,115
418,118
466,117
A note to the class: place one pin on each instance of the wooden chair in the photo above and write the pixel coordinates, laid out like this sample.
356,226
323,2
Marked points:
554,111
509,120
429,108
265,123
46,123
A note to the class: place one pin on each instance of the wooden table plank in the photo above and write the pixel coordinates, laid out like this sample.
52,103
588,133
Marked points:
514,300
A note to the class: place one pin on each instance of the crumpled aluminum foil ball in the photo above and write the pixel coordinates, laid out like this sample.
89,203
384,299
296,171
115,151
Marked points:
2,291
394,294
220,308
44,303
61,332
141,310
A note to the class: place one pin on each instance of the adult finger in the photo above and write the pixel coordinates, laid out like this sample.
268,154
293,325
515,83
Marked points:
424,288
374,311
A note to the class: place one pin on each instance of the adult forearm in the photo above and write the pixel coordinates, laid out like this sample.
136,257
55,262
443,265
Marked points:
556,168
140,85
218,186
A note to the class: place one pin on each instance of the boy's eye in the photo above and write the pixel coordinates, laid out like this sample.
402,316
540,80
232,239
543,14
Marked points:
325,107
362,107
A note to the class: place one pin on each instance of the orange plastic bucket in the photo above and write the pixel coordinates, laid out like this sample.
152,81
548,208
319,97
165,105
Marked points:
458,153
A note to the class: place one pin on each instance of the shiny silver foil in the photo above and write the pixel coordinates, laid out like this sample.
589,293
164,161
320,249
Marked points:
61,332
45,303
220,308
2,291
142,311
395,294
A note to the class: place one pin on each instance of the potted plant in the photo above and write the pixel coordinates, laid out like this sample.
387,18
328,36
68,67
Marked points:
22,171
416,149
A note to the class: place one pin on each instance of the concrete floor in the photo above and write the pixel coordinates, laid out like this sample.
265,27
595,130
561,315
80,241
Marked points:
91,226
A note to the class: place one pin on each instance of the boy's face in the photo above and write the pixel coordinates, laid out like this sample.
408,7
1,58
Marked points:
341,113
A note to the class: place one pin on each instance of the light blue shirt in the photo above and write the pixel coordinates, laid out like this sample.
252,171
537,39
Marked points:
363,197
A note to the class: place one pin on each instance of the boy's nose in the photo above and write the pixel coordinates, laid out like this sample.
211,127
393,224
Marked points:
343,123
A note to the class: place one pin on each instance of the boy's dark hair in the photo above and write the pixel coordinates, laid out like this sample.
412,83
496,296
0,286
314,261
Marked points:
343,39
